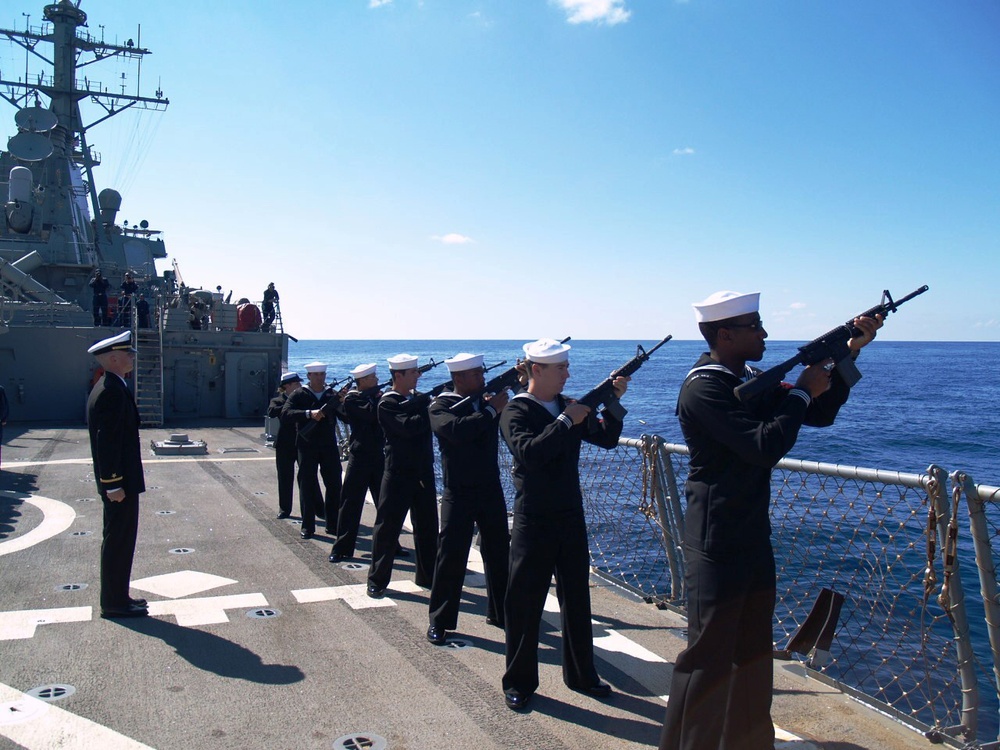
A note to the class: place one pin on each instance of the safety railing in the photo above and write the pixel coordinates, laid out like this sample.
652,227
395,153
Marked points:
909,640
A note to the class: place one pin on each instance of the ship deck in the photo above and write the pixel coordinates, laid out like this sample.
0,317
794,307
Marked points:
255,640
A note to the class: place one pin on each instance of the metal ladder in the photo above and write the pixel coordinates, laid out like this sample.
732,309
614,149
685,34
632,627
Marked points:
148,372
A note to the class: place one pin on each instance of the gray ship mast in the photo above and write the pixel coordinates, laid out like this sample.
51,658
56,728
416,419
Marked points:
47,209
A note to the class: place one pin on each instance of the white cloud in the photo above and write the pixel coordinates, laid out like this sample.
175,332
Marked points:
452,238
595,11
798,305
686,151
378,3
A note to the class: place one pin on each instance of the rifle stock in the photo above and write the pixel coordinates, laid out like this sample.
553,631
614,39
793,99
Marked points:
831,345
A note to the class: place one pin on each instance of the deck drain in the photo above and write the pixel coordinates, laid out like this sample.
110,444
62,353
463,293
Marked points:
258,492
81,533
51,693
165,512
353,566
20,711
457,643
366,741
181,551
86,499
296,522
71,587
263,613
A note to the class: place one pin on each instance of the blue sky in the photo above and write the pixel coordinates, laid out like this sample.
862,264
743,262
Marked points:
496,169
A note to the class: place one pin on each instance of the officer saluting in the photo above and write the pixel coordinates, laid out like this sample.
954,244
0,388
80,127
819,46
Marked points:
113,422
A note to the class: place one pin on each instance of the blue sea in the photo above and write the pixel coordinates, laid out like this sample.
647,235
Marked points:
910,410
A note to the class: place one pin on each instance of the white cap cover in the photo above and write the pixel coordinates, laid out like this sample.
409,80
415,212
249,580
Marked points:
402,362
546,351
121,342
363,371
725,305
464,361
316,367
290,377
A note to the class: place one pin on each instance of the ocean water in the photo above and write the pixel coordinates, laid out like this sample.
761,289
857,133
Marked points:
916,404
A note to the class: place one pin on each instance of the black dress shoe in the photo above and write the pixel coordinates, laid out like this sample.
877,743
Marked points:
600,690
515,699
306,534
494,622
436,635
138,602
336,557
284,514
375,592
331,532
130,610
402,552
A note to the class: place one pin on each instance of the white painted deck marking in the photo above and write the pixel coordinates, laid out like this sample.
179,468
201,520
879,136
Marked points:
56,518
210,610
19,625
35,724
354,594
181,583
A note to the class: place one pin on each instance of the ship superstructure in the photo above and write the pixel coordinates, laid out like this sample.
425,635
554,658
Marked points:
58,230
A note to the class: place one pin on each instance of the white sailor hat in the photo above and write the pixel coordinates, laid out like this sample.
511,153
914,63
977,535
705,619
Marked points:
402,362
316,367
725,305
546,351
363,371
289,377
464,361
120,343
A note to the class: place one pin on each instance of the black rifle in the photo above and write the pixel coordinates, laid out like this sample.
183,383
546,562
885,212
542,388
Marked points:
509,379
600,395
328,408
440,388
831,345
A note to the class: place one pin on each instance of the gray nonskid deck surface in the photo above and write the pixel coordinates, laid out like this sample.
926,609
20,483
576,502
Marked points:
332,663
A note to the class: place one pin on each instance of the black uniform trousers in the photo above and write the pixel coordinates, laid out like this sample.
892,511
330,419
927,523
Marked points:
541,545
285,457
461,509
311,499
363,475
121,527
729,657
399,494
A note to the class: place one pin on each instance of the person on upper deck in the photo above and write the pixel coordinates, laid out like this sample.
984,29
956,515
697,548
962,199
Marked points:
247,315
544,430
270,298
720,694
100,286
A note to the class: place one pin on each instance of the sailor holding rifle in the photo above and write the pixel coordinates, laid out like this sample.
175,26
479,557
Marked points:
366,464
285,452
408,482
313,409
468,438
720,695
544,431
